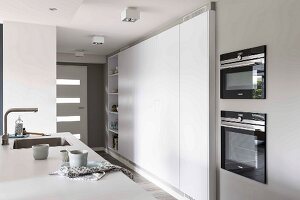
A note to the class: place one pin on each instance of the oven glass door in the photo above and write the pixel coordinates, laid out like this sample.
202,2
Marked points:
244,152
247,82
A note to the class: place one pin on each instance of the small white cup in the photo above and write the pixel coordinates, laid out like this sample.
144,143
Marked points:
78,158
40,151
65,156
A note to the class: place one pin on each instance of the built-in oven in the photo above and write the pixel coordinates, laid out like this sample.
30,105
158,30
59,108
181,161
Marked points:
243,144
243,74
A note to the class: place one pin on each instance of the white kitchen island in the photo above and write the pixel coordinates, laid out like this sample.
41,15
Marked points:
23,178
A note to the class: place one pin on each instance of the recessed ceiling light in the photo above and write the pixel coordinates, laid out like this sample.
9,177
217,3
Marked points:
53,9
97,39
79,52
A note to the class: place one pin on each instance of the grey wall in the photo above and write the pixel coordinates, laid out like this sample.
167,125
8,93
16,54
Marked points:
96,105
96,102
1,79
248,23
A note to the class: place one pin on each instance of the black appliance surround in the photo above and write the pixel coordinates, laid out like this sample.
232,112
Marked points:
243,144
243,74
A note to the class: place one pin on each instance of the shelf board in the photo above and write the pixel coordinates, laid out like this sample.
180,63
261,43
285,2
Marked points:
113,93
115,74
114,131
113,112
112,149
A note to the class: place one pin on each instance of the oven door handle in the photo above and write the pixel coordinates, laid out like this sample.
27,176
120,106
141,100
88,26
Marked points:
243,128
243,64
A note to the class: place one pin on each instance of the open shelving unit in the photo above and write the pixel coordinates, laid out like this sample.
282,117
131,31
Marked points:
112,103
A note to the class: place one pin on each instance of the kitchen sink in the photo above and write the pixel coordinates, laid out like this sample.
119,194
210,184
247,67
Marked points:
28,143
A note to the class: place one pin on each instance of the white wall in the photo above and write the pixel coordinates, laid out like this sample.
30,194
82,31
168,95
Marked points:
248,23
87,58
29,74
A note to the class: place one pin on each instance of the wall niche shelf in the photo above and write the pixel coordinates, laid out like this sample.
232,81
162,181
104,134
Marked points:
113,150
112,101
114,131
113,75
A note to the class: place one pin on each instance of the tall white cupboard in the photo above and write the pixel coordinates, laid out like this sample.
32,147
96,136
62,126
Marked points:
166,106
197,102
149,105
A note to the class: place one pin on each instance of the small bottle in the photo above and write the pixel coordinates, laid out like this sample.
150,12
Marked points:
19,126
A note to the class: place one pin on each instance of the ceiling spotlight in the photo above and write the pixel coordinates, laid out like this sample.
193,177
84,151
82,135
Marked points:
53,9
79,53
130,15
97,40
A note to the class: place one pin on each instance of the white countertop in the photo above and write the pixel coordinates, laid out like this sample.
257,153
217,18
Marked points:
23,178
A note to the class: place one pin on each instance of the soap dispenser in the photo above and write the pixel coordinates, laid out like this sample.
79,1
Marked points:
19,126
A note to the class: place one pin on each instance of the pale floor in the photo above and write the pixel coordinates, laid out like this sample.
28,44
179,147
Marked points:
155,191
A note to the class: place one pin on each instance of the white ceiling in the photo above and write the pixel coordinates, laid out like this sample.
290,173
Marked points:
79,20
37,11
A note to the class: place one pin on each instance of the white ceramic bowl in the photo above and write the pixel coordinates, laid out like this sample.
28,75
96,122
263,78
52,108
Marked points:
40,151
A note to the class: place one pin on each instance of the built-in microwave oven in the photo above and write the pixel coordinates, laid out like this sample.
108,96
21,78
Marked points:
243,144
243,74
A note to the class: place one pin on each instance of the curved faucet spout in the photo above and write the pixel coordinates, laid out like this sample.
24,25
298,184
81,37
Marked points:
5,134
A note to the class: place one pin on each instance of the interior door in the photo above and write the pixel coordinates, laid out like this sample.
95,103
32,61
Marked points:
72,101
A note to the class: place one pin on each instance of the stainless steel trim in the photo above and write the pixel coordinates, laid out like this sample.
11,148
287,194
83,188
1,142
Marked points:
237,59
207,7
244,121
248,128
242,64
243,128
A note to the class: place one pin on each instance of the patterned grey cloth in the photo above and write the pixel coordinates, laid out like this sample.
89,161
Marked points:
90,173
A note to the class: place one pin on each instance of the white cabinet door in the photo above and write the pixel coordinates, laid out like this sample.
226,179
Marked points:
149,105
126,108
194,107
